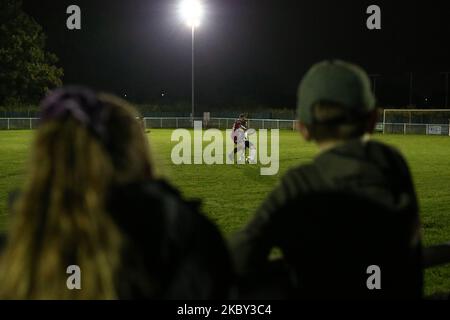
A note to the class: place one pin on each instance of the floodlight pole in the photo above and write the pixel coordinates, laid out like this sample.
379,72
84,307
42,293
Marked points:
374,82
193,73
410,89
446,87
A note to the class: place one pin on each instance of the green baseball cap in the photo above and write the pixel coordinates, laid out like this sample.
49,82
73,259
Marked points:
334,81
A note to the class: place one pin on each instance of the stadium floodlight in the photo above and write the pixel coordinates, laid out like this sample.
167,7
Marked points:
192,11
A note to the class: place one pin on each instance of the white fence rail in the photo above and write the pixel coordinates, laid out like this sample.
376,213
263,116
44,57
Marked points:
227,123
165,123
18,123
416,128
219,123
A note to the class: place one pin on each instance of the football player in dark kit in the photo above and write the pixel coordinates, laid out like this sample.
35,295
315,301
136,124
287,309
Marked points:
336,110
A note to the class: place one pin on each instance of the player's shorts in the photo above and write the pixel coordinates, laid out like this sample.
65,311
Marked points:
247,143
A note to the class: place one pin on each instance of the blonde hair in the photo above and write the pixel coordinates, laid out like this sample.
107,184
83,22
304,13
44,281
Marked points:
61,217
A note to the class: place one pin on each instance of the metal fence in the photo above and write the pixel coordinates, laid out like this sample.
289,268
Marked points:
416,116
18,123
165,123
416,128
219,123
227,123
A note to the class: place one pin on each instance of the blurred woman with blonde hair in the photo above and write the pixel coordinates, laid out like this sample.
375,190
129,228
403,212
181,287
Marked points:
91,199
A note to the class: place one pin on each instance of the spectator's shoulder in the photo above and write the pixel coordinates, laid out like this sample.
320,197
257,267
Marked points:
162,190
297,179
383,147
385,154
181,213
169,196
297,171
147,201
160,186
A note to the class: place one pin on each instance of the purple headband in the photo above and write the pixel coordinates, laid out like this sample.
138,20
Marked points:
78,103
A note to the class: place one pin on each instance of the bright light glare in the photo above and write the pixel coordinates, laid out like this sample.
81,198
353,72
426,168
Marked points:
192,12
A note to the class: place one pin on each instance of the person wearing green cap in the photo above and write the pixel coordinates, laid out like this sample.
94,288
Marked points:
336,110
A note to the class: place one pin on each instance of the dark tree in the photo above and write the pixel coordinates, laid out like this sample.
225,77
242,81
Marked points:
27,71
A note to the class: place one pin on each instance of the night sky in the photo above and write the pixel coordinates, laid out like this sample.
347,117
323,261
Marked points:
247,51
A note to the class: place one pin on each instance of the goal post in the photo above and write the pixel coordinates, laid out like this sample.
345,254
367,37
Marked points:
416,121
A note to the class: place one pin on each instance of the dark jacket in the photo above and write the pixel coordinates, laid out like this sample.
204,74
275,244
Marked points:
172,251
367,170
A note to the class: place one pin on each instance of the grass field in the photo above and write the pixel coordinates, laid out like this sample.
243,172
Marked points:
221,187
